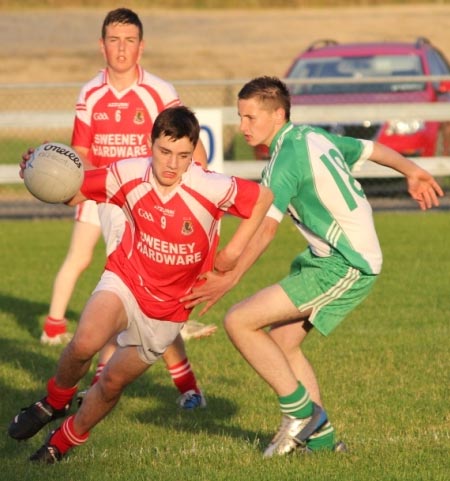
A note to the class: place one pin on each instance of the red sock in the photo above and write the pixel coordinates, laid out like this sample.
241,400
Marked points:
98,371
53,327
59,397
183,377
65,437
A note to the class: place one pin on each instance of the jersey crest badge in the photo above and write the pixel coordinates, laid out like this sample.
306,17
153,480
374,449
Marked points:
188,228
139,117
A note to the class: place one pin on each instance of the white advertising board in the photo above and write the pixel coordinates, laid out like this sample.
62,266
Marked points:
211,129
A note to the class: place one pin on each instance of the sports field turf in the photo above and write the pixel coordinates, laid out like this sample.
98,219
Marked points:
384,373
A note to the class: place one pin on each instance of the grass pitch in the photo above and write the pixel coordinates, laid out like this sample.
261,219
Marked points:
384,372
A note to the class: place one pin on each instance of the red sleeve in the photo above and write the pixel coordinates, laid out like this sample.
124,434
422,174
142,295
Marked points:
94,185
103,185
247,195
81,134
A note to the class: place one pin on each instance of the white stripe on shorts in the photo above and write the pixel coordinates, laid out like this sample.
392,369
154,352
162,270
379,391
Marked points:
332,294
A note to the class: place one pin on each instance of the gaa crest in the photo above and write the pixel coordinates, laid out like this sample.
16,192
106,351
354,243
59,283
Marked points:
187,228
139,117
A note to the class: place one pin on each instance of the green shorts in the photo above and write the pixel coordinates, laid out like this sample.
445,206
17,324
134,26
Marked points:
328,285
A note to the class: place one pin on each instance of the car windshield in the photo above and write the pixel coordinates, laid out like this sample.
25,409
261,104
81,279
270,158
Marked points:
354,69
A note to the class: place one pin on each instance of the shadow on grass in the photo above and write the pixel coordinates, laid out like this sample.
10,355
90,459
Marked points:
40,362
29,314
214,420
24,361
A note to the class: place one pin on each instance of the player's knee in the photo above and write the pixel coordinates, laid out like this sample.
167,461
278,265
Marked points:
232,322
82,348
111,385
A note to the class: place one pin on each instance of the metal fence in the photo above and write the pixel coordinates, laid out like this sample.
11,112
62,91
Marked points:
32,113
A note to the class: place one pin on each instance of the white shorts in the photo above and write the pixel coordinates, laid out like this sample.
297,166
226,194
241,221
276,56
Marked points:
87,212
109,217
150,336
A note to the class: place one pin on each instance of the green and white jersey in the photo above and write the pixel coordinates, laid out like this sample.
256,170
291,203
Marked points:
310,176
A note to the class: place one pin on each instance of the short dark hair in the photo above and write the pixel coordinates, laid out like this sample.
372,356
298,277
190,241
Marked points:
270,90
122,16
176,123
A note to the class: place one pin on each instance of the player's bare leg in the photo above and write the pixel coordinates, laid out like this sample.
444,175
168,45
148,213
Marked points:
245,325
122,368
104,356
107,351
177,364
179,367
289,338
102,317
78,258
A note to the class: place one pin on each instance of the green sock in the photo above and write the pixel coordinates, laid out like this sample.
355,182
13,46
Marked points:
298,404
323,439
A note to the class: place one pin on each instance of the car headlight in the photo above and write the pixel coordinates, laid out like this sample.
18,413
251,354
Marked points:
404,127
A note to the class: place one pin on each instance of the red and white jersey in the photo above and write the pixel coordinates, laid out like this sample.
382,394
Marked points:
116,125
169,240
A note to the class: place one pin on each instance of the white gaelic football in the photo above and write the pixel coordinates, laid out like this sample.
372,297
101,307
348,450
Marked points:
54,173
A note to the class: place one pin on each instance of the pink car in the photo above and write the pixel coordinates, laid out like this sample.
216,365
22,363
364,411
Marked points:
328,59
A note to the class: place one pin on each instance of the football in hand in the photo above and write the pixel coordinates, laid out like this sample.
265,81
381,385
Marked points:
54,173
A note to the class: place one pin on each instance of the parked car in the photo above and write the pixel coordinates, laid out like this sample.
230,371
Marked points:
329,59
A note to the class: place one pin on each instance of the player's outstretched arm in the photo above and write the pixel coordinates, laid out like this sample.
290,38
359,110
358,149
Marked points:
217,284
228,257
76,199
422,186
